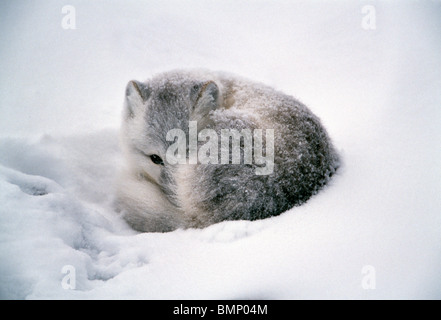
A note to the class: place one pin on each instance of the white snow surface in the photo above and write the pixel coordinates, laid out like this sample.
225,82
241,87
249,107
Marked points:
378,93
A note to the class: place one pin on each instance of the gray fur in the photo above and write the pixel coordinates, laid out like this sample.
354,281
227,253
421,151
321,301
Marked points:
158,198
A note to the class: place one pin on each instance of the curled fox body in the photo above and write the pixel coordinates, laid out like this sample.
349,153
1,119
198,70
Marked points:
157,195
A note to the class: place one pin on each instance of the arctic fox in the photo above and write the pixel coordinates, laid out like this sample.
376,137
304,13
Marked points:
176,174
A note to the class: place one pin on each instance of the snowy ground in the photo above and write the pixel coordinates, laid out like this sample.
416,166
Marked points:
376,91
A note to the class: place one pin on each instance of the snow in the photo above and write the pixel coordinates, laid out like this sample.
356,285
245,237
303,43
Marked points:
376,92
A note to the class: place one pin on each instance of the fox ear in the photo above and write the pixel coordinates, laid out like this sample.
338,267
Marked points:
137,94
206,98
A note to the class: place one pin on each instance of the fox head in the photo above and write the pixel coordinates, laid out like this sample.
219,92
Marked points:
151,110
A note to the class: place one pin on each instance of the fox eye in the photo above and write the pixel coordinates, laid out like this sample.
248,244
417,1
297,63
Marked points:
156,159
